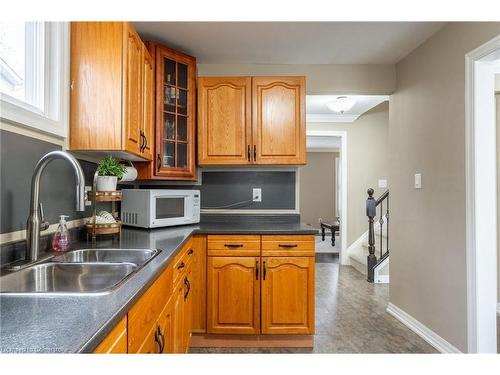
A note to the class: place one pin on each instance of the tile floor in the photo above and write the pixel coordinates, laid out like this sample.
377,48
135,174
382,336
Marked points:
326,245
350,317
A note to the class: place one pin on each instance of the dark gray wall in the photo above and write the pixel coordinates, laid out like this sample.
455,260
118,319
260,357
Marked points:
226,188
18,157
229,187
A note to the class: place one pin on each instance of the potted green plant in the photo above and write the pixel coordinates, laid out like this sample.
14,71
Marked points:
109,171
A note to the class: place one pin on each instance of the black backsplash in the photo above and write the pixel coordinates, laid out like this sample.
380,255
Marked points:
18,157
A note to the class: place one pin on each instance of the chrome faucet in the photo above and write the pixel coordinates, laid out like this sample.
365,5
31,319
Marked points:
36,221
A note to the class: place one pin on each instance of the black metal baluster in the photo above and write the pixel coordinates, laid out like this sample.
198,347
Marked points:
380,225
387,220
371,211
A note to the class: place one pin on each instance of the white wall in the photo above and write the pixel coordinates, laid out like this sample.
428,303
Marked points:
317,188
367,162
427,135
320,79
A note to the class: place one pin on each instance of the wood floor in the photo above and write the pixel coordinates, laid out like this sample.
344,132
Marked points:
350,317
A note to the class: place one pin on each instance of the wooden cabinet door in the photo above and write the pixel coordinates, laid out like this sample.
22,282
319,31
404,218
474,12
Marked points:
178,319
116,341
148,81
166,333
233,295
288,295
279,123
132,88
198,284
224,120
188,311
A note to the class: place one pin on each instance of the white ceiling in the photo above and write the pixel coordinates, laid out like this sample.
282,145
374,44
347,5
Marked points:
291,42
317,111
316,143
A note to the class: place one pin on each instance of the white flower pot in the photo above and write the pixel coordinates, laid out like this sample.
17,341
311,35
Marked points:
106,183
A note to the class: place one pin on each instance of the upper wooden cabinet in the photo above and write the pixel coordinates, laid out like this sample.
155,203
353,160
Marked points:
251,120
279,120
175,108
224,120
110,93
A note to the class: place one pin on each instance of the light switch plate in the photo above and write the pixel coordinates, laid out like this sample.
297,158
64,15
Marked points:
257,194
418,181
382,183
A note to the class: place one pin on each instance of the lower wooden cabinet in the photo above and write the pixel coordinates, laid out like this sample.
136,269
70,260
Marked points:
261,294
267,293
233,295
178,319
116,341
287,295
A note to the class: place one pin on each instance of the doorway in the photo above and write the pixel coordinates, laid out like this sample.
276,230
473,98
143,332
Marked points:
482,64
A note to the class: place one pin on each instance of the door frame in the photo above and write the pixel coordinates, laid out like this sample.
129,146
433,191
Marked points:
344,258
481,197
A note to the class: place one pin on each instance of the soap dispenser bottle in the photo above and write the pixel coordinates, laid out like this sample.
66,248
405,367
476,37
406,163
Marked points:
61,241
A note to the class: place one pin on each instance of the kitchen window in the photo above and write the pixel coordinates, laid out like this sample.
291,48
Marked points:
34,75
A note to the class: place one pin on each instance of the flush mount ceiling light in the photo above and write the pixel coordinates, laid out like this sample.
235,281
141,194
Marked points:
341,104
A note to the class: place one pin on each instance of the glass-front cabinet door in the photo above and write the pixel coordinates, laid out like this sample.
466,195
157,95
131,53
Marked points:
175,130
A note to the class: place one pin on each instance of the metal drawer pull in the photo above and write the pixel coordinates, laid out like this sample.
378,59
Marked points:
191,251
287,245
233,245
256,270
181,266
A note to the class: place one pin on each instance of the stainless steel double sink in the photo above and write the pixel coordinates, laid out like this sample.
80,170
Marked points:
79,271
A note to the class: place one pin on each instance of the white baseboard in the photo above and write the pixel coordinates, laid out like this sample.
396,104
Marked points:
381,279
424,332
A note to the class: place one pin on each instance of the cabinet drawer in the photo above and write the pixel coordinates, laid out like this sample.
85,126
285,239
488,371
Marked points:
288,245
233,245
143,315
116,341
182,261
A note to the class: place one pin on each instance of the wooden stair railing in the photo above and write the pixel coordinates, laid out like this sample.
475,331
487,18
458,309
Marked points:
371,212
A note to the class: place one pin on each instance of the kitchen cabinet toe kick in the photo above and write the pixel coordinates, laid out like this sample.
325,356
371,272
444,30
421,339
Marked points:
200,340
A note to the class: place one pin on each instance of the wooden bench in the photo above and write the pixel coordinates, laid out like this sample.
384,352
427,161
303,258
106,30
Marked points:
333,227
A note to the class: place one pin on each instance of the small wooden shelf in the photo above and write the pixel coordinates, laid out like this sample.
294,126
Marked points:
106,196
107,228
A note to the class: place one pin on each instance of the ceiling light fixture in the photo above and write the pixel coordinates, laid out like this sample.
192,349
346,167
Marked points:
341,104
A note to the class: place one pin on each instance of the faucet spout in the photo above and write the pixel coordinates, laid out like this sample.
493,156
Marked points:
35,219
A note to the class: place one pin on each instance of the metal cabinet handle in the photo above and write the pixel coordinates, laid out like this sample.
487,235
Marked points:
191,251
287,245
248,152
158,167
256,270
188,286
233,245
162,339
141,147
254,152
181,266
157,340
264,270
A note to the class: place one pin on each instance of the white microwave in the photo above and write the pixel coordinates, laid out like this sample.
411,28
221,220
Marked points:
153,208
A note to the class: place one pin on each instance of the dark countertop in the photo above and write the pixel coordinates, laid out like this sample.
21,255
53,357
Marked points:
78,323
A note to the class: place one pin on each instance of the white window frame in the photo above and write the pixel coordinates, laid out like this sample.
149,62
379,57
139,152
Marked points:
53,119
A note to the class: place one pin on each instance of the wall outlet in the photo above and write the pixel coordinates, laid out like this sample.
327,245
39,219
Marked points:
418,180
88,202
257,194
